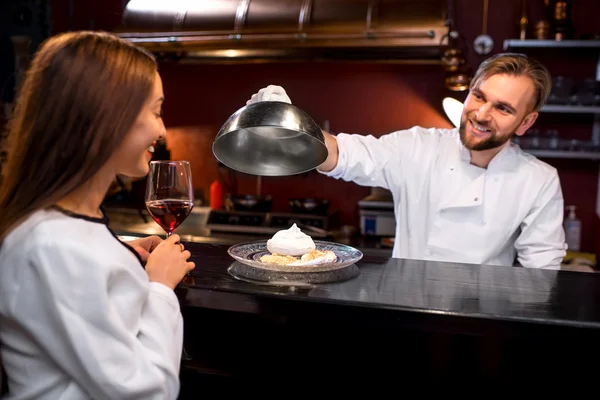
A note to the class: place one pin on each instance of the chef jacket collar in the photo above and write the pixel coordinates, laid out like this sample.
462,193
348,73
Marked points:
504,160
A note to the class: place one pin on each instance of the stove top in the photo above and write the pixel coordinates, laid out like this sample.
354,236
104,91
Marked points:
266,223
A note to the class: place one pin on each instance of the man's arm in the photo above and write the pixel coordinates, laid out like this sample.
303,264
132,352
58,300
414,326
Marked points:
332,153
365,159
541,243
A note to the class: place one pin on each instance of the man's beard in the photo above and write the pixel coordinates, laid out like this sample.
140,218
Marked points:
492,142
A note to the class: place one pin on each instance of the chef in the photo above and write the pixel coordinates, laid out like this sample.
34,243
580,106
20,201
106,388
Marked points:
466,194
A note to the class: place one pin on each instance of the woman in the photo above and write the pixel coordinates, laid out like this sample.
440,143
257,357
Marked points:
80,315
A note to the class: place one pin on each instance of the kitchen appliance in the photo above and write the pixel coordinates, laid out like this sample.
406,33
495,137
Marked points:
232,31
377,214
248,202
309,205
267,223
270,138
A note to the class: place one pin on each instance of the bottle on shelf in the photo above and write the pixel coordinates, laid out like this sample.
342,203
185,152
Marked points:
562,23
572,226
216,195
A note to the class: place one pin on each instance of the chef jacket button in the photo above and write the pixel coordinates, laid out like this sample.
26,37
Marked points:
476,198
451,168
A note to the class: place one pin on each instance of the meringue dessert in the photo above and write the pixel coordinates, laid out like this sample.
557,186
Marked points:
290,242
292,247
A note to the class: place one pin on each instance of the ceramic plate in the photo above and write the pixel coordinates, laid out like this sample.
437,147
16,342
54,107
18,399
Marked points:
250,254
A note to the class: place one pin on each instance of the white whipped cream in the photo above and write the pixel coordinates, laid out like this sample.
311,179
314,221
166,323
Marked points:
290,242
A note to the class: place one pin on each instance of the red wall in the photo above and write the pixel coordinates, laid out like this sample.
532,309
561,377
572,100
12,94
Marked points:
358,98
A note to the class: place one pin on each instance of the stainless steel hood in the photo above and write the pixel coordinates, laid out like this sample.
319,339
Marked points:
282,30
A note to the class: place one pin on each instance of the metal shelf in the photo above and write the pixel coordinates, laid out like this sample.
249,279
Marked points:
575,155
567,44
555,44
556,108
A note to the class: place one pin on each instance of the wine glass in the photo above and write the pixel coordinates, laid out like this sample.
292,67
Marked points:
169,193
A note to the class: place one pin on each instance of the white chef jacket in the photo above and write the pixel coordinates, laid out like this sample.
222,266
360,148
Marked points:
79,318
447,209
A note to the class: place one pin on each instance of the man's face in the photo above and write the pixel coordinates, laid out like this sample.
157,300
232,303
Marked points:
495,110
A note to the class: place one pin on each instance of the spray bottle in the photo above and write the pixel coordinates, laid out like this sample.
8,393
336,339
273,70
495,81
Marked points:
572,226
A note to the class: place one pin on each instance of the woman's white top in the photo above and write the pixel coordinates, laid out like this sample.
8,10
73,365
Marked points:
79,318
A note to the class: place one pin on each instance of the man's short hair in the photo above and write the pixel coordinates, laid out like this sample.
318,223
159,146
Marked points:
517,65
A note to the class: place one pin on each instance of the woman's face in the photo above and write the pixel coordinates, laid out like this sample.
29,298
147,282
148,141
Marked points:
134,154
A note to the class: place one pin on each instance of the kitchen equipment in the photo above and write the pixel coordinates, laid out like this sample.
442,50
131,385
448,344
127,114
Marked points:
454,58
270,138
377,223
309,205
248,202
268,223
377,215
232,31
523,21
483,43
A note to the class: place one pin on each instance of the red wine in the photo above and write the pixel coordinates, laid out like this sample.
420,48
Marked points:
169,213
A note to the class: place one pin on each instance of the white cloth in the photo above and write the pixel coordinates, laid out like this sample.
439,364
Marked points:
447,209
79,318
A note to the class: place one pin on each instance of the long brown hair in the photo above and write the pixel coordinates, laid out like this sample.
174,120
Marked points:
80,96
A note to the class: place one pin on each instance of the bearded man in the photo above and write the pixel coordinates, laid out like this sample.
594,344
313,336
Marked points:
469,194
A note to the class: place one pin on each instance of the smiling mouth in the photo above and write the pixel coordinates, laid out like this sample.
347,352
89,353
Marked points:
479,129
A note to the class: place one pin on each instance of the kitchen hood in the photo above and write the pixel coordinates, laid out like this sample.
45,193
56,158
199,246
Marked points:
412,31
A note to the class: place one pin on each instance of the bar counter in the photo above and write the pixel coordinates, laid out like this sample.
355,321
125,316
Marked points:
438,318
472,293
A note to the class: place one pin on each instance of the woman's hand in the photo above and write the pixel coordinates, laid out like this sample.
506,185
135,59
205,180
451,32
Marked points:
167,264
145,246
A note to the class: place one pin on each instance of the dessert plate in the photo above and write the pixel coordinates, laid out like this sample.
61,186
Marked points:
250,254
295,280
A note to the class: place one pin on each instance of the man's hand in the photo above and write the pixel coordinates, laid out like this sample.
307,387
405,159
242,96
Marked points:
144,246
270,93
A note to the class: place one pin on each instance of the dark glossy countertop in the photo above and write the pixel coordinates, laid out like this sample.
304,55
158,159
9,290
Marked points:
411,291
